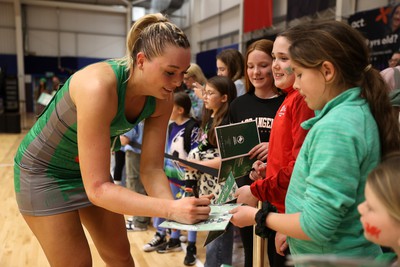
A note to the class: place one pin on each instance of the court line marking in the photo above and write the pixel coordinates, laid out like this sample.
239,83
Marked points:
6,165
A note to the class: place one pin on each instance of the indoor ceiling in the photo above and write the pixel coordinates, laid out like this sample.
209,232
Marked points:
139,3
164,6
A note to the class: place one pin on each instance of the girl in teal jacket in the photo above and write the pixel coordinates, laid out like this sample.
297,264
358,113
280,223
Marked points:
352,128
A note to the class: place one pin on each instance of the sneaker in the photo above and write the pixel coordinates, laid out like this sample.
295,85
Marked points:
130,226
157,241
190,258
173,245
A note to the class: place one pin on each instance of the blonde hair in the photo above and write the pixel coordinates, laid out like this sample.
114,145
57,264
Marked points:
195,71
151,34
384,182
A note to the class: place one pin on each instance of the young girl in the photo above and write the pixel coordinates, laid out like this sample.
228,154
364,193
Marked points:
230,63
176,138
380,212
260,103
219,93
343,145
285,142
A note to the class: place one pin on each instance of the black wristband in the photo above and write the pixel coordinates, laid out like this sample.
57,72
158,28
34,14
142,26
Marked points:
261,229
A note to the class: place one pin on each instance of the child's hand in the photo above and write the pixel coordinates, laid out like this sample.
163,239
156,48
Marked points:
124,140
198,89
243,216
280,243
244,195
258,170
260,151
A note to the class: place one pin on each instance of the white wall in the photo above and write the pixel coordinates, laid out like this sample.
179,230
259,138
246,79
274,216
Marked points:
367,5
7,29
52,31
209,24
65,32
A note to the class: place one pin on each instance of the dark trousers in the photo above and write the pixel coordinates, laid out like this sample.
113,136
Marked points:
119,164
246,233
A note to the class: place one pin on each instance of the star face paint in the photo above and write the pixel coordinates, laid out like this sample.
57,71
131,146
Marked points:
372,230
289,70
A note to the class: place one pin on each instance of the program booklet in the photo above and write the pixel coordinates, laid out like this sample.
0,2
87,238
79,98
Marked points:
218,220
234,142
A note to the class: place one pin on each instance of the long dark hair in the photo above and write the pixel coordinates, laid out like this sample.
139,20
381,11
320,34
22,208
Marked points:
224,86
182,100
234,61
346,49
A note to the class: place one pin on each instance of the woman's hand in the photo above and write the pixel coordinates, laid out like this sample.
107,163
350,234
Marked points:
260,151
259,170
244,195
190,210
243,216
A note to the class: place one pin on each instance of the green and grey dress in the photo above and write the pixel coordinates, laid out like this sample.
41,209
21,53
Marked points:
47,176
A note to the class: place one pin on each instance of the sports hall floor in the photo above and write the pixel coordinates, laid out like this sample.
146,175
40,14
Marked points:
19,248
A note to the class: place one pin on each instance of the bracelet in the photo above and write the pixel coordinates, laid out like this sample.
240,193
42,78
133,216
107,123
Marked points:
261,229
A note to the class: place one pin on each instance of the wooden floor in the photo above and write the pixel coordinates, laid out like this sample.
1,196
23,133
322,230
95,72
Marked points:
19,248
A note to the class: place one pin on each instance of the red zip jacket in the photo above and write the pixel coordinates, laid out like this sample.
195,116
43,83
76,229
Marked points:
285,142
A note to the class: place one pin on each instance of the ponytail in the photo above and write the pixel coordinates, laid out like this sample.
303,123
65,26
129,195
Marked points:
376,92
151,34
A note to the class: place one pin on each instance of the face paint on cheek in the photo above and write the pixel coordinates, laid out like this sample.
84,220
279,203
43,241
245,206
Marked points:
289,70
372,230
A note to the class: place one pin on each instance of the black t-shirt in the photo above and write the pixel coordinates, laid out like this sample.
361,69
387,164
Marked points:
250,107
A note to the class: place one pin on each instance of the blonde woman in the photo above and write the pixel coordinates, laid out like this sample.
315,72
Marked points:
195,82
62,167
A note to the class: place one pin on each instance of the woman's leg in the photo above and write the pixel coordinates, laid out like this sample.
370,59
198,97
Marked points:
62,239
109,235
